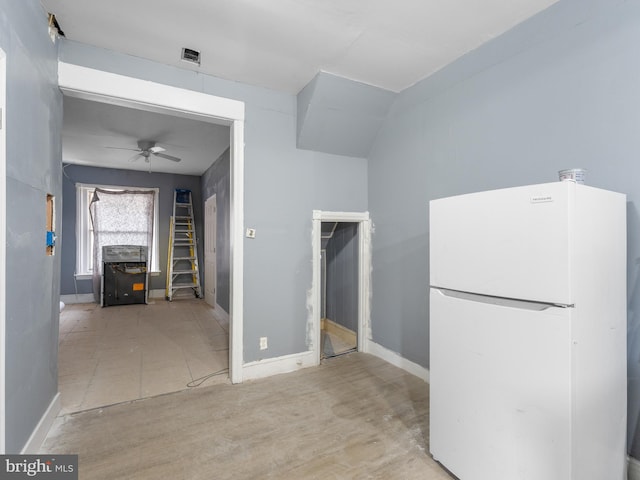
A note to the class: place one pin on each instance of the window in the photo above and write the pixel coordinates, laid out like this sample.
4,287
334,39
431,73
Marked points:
84,229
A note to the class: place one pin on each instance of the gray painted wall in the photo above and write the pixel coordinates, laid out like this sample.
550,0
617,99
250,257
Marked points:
215,181
167,183
561,90
33,128
283,185
342,276
341,116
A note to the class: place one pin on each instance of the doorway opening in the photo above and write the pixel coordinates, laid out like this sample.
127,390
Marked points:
339,289
3,235
341,283
100,86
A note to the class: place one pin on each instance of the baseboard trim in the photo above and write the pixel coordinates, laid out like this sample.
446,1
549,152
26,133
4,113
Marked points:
77,298
397,360
39,434
340,331
89,298
277,365
221,313
156,293
633,469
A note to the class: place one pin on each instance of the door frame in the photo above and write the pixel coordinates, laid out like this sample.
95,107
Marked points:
3,243
364,277
207,220
100,86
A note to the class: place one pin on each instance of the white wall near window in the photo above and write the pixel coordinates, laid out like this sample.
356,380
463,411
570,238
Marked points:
84,233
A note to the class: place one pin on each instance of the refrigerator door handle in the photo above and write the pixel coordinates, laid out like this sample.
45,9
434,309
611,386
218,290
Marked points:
500,301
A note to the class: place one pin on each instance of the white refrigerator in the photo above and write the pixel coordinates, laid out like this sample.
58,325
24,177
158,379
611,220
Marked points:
528,333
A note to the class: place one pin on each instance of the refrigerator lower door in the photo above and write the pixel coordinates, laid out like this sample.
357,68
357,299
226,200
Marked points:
500,389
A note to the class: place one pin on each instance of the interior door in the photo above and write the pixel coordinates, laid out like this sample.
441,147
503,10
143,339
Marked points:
210,251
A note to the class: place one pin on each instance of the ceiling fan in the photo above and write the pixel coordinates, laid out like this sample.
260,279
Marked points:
146,148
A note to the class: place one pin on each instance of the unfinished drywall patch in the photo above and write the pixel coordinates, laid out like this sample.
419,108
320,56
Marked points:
311,323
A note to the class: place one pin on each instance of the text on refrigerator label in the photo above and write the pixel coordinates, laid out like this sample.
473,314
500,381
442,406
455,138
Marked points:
542,198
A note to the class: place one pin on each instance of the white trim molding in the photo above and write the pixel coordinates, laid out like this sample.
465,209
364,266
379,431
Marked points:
397,360
77,298
236,221
74,81
277,365
105,87
3,243
221,314
364,277
42,429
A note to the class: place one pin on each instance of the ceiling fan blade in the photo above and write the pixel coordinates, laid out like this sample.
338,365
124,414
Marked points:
123,148
135,157
157,150
168,157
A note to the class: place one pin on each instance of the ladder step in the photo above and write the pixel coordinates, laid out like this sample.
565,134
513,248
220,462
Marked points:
182,236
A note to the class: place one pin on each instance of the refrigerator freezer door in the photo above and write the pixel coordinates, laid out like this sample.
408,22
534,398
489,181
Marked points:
512,243
500,390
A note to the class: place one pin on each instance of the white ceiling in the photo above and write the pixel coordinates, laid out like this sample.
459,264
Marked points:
283,44
90,128
278,44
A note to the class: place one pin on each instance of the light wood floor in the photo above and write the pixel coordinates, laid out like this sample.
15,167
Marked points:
354,417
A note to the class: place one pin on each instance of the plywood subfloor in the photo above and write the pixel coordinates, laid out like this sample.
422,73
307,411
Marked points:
353,417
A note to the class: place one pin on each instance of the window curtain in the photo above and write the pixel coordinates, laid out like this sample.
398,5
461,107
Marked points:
122,217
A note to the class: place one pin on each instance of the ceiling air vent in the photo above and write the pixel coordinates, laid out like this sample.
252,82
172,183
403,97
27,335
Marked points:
191,56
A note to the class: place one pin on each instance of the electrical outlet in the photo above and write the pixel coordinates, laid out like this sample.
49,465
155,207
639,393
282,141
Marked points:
263,343
251,233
